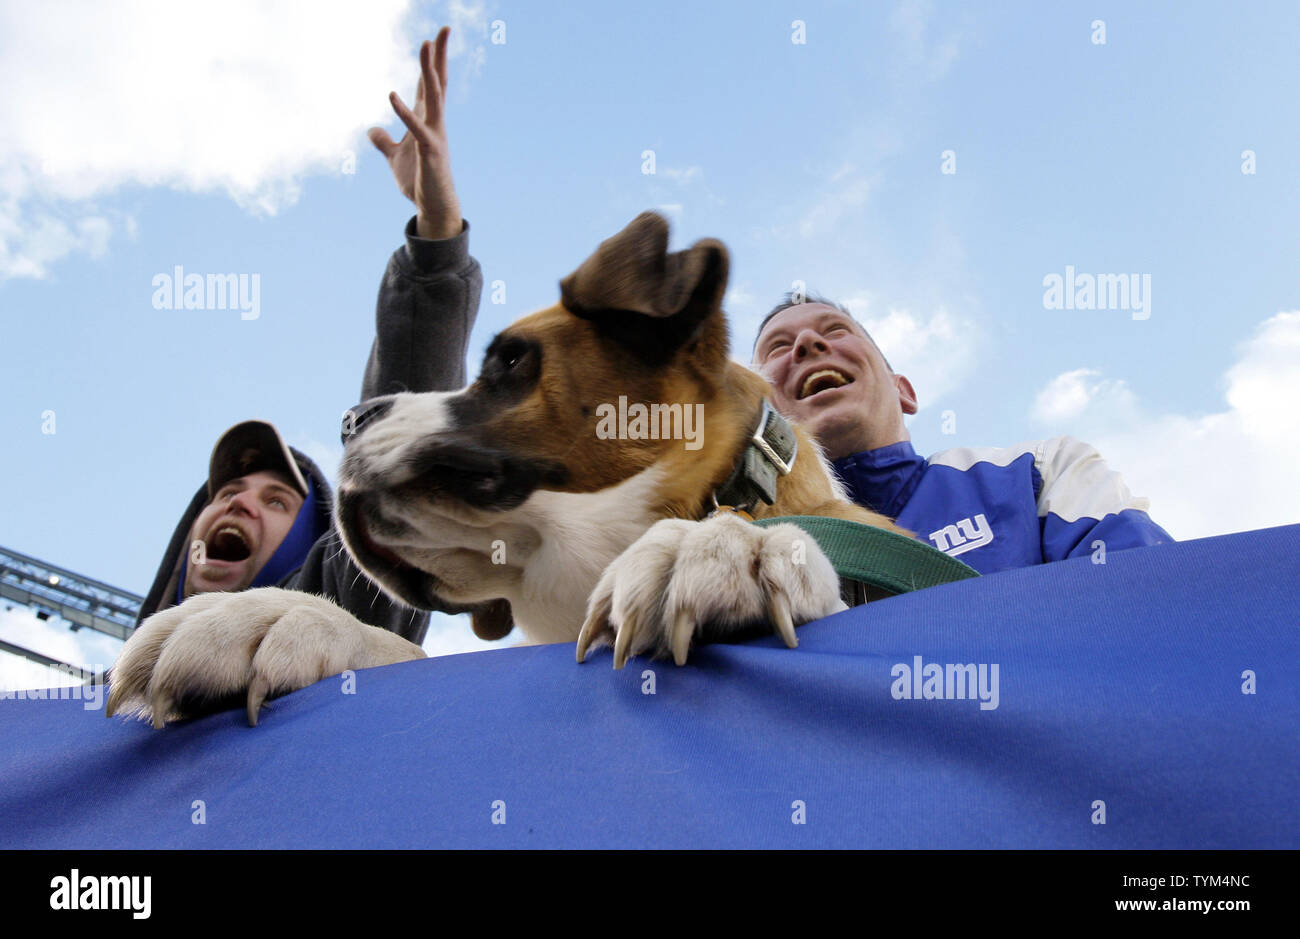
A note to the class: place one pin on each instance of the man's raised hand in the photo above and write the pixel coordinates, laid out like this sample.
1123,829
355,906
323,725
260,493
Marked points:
420,161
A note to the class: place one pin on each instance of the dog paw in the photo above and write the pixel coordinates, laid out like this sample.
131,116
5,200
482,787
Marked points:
216,648
685,580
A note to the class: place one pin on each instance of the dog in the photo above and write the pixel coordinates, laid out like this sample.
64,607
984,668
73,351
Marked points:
544,487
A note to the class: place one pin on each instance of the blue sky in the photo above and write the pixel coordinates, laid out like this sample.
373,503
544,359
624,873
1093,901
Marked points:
133,140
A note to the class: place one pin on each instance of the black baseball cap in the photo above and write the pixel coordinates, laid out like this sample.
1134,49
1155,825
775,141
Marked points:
251,447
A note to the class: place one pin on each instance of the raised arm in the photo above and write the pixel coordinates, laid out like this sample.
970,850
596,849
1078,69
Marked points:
429,295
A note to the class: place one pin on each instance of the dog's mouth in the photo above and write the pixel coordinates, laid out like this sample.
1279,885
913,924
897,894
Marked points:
362,532
383,565
229,543
824,379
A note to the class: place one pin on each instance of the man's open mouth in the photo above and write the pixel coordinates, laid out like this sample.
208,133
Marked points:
824,379
228,543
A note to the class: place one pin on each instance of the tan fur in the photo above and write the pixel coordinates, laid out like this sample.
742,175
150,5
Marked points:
582,365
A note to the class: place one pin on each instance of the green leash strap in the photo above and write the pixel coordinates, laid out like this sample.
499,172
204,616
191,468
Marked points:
877,557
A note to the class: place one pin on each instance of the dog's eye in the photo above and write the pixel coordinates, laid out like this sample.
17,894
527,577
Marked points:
509,358
511,354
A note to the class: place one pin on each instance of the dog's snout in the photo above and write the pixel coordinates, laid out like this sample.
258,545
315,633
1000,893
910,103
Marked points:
474,474
367,412
480,476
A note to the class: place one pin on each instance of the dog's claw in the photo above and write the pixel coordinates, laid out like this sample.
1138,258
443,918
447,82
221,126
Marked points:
780,614
683,630
623,644
597,621
161,704
258,689
589,630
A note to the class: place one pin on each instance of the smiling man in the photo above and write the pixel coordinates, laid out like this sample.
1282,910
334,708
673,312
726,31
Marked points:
995,508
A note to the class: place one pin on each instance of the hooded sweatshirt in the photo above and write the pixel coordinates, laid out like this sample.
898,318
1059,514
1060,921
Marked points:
428,300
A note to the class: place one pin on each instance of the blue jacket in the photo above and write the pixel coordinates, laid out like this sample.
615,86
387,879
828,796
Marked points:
997,508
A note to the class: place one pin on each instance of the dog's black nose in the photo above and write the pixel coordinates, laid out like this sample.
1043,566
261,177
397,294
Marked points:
367,412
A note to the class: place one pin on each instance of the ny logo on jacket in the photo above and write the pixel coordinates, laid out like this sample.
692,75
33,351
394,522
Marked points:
966,535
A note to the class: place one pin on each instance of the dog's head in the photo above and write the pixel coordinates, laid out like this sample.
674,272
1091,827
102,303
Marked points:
434,485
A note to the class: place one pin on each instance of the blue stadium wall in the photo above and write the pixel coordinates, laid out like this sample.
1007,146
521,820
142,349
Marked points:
1149,702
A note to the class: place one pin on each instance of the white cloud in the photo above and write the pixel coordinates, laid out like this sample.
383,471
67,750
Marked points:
1232,470
469,38
237,97
931,55
682,175
1069,394
935,353
33,240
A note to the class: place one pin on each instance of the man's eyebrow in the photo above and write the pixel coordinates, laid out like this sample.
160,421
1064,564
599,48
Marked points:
281,487
837,316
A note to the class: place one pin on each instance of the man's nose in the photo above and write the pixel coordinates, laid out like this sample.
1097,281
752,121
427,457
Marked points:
808,342
245,501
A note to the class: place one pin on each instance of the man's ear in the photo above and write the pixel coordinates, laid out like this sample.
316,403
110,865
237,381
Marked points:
906,395
653,301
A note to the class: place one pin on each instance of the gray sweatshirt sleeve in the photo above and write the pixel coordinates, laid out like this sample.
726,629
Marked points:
428,300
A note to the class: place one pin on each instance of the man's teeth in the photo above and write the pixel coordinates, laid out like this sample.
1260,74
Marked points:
826,377
228,543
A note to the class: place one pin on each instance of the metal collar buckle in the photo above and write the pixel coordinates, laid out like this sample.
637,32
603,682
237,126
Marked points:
765,448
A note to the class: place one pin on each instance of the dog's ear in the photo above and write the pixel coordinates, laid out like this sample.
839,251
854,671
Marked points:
492,620
655,301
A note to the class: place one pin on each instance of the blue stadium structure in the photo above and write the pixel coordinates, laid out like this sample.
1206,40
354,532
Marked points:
1151,701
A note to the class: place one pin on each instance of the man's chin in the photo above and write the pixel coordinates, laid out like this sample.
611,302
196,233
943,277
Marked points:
827,418
224,577
838,432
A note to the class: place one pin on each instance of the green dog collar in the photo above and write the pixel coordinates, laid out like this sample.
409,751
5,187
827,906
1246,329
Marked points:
881,559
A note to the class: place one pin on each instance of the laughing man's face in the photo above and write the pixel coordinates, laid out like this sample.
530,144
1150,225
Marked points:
241,528
827,375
